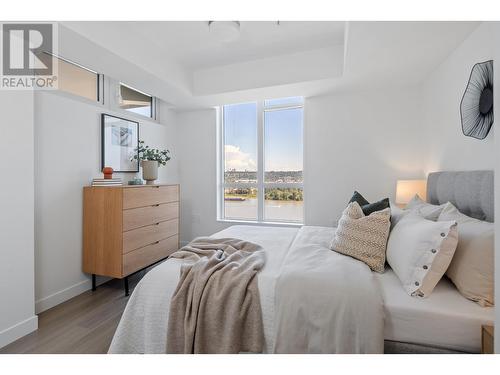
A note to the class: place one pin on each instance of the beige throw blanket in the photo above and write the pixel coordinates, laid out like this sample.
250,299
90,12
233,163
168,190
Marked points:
216,307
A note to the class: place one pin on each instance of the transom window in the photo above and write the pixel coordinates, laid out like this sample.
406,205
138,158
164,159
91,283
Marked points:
75,78
133,100
261,157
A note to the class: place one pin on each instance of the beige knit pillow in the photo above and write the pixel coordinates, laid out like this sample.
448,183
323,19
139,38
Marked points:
363,237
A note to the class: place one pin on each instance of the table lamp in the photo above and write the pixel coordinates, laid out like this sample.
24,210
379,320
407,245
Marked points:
406,190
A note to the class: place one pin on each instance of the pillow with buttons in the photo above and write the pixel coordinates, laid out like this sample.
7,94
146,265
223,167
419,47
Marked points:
420,250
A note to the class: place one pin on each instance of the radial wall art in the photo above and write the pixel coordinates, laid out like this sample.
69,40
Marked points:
476,108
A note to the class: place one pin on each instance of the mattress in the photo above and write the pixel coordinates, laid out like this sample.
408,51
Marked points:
445,319
301,312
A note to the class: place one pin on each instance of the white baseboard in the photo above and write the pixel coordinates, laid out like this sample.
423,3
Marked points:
18,330
61,296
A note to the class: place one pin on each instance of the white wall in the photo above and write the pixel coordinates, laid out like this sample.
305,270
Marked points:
362,141
67,146
17,312
358,141
196,142
449,149
495,28
497,183
441,94
67,149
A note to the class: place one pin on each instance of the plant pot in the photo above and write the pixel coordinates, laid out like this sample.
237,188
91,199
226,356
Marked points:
149,171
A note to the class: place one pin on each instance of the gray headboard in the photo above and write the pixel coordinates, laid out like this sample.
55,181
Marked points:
471,192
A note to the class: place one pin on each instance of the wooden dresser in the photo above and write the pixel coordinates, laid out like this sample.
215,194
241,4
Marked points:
128,228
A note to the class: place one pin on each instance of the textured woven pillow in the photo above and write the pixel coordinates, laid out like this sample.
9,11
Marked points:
363,237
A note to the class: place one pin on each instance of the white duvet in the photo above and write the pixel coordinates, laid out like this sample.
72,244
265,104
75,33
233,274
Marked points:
313,299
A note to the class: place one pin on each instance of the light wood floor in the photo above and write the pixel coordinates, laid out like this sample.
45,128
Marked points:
84,324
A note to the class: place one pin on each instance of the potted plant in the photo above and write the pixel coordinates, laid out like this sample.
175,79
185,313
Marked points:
151,159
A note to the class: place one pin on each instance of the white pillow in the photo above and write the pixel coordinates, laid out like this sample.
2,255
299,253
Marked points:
416,205
397,213
420,251
427,210
472,267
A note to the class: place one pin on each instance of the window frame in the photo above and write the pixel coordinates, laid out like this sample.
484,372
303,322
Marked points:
153,112
260,185
100,81
108,89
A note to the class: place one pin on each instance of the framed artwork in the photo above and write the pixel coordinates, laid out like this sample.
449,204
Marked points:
476,107
119,143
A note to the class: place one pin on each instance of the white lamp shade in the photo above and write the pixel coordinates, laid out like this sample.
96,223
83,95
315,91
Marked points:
406,190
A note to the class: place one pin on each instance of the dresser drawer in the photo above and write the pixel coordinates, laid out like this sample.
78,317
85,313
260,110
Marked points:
140,217
148,195
143,257
136,238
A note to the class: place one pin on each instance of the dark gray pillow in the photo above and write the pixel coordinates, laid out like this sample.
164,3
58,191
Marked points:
368,207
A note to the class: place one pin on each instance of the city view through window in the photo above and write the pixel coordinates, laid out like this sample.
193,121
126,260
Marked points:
281,147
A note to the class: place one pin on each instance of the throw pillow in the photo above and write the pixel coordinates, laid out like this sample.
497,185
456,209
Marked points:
368,207
472,267
427,210
363,237
419,251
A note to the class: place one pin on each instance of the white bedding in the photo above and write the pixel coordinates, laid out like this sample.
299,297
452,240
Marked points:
319,311
444,319
324,302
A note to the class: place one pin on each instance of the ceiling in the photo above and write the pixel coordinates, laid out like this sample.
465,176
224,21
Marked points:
269,59
402,52
195,47
190,43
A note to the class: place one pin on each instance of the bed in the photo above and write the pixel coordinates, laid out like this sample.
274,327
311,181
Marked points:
317,301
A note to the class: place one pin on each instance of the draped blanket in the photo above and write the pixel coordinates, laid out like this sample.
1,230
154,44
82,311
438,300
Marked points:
216,307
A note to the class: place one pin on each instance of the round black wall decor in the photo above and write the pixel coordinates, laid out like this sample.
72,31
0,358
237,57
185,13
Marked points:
476,107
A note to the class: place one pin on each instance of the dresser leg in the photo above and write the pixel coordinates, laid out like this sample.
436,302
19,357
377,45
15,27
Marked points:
126,286
93,283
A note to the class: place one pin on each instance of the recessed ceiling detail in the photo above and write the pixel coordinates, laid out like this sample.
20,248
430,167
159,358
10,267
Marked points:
224,31
252,59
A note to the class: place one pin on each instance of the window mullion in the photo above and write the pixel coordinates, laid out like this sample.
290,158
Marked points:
260,161
222,165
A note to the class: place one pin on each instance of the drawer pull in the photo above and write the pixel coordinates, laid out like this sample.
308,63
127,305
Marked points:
155,205
157,224
156,243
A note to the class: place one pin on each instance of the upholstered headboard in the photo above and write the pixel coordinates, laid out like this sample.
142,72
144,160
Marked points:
471,192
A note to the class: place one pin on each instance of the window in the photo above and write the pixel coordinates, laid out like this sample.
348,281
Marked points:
75,79
135,101
261,156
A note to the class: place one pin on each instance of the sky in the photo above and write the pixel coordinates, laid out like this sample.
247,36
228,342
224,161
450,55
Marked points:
283,138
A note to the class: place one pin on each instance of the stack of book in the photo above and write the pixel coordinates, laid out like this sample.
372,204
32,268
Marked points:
107,182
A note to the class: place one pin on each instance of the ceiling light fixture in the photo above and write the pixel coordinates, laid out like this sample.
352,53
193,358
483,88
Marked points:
224,31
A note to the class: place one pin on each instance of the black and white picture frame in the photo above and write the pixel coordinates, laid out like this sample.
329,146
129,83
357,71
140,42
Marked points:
119,143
